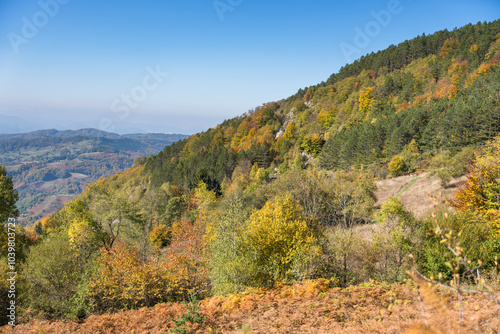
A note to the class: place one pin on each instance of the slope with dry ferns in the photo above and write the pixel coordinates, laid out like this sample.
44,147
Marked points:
311,307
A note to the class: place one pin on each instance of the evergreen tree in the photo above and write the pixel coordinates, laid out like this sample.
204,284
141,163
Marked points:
8,197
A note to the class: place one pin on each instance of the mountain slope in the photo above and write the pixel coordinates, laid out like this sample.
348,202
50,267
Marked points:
440,91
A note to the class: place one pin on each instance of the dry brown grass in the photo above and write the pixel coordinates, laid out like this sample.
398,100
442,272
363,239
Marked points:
311,307
416,194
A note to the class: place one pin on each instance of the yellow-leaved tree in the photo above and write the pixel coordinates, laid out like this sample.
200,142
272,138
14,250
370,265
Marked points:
481,193
280,242
366,99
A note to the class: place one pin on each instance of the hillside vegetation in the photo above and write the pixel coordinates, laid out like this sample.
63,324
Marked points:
286,194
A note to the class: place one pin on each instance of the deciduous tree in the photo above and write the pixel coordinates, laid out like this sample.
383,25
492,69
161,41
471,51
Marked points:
278,239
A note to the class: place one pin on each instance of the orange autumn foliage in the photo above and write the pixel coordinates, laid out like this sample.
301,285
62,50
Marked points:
126,279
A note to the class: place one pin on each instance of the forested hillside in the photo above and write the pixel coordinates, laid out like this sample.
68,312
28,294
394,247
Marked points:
285,194
440,91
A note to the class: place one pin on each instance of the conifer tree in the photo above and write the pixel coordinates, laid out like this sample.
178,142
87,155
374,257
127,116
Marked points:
8,197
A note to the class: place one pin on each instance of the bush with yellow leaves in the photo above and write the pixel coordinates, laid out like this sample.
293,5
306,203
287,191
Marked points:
280,242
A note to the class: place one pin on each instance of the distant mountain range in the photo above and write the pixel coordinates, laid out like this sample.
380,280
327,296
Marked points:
21,124
50,167
66,133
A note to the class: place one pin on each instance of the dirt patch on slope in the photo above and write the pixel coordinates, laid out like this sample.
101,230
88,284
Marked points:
417,191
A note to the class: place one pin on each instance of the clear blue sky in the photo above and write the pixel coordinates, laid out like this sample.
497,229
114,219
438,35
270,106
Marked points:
83,58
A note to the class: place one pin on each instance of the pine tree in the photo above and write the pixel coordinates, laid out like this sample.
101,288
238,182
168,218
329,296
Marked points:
8,197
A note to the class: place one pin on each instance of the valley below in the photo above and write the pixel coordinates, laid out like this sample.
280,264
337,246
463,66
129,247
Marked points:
51,167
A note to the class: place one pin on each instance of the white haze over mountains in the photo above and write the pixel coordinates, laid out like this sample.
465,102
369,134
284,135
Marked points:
10,124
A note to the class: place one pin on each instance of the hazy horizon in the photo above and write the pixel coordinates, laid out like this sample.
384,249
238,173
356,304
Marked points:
13,124
172,66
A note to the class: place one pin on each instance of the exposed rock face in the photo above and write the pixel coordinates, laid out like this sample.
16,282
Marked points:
288,119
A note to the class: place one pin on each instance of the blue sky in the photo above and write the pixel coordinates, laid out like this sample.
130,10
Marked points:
185,66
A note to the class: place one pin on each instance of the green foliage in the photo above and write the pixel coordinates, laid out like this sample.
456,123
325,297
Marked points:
229,264
352,199
478,244
118,218
193,316
22,243
76,220
8,197
372,251
23,240
393,213
398,237
52,273
412,156
346,199
173,210
298,162
446,166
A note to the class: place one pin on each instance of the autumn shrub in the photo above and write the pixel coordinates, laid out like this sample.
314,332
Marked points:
366,99
160,236
313,145
326,117
397,165
120,281
277,238
125,279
